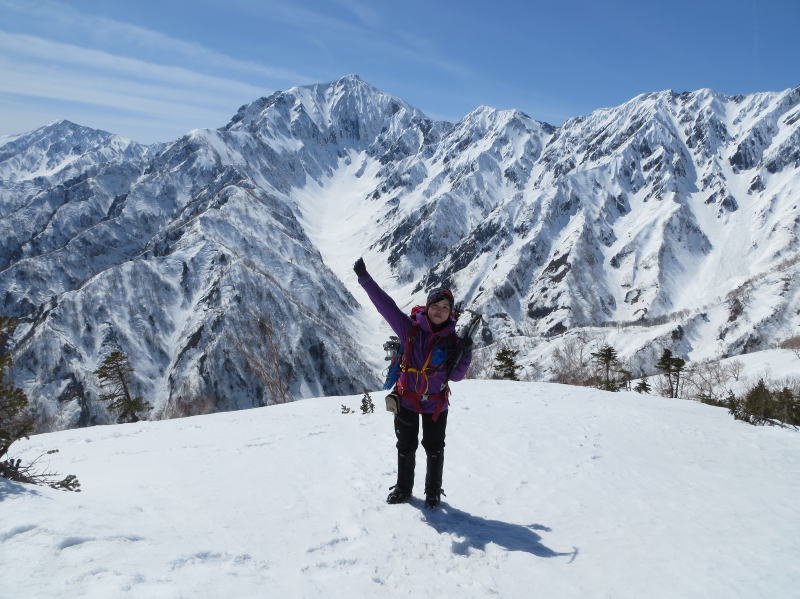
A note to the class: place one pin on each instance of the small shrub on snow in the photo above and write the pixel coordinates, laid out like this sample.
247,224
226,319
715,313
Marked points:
367,407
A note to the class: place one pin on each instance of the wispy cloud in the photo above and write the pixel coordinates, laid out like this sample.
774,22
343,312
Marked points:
367,30
145,76
423,49
302,18
30,79
149,93
363,11
102,28
26,47
19,114
141,94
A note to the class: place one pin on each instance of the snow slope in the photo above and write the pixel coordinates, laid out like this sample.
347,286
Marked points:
776,366
553,491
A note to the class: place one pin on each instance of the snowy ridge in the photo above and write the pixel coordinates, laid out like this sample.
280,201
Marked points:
62,148
583,494
676,208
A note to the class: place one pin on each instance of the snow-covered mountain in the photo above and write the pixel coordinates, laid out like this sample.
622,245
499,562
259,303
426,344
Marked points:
674,216
61,150
552,491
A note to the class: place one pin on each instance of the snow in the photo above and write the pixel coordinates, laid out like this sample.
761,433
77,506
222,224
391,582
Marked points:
340,222
300,184
552,491
775,366
7,139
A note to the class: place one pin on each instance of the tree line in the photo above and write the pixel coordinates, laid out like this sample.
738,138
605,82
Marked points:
708,381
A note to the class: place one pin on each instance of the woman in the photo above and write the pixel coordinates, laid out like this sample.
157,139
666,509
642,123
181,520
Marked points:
433,355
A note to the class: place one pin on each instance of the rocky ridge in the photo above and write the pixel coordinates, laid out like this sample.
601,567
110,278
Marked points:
669,221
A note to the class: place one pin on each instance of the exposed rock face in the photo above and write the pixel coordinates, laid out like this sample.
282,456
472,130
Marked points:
675,210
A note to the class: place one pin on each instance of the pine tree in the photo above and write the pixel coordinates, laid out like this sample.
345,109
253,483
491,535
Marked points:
665,366
788,407
16,422
672,367
642,386
758,403
606,357
115,376
505,364
736,407
678,364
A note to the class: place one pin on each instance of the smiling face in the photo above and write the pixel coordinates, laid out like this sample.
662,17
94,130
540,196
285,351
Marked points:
439,312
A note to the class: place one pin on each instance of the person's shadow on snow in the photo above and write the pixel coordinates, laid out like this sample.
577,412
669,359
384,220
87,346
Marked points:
477,532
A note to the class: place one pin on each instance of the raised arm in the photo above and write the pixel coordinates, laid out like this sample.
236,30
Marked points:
397,319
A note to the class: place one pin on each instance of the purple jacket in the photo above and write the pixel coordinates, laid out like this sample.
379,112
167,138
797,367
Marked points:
420,348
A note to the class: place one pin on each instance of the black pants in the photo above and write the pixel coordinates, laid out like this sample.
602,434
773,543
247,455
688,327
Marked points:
406,428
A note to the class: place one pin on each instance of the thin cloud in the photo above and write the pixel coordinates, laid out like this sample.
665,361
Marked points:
303,18
364,30
424,50
26,47
22,114
104,28
365,13
42,81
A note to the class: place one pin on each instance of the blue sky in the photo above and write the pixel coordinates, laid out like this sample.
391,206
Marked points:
152,70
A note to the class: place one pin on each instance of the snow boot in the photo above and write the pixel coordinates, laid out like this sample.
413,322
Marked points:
432,500
397,495
433,479
401,492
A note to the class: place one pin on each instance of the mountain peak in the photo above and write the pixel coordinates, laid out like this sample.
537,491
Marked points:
62,146
347,102
62,125
347,82
632,216
351,78
57,127
487,116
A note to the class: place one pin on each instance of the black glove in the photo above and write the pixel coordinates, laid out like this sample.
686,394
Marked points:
360,267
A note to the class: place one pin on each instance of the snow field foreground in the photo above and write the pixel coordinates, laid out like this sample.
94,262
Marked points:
552,491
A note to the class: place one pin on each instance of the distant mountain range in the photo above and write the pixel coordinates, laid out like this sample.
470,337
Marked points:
220,262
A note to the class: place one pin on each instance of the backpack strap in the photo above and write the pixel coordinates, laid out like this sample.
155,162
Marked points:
412,333
440,395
